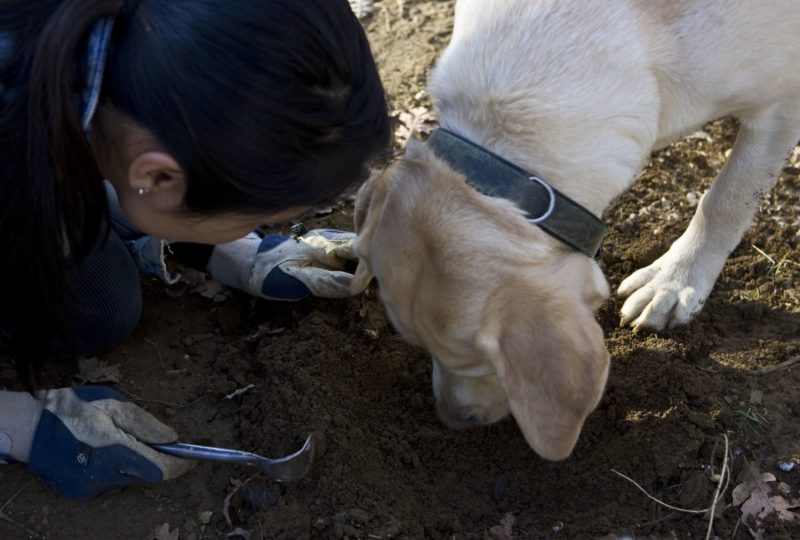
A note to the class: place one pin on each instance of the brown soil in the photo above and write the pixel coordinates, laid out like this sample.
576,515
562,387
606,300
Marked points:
386,467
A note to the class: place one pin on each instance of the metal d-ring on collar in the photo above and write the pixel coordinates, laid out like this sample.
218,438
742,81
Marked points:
550,195
490,174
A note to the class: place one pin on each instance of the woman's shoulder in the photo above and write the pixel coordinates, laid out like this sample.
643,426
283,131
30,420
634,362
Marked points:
6,47
6,56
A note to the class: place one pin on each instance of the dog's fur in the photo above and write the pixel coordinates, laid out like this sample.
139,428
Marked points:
578,92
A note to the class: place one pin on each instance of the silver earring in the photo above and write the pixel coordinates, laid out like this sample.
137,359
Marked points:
142,191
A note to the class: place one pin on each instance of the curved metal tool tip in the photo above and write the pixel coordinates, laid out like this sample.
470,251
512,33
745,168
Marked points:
285,469
292,467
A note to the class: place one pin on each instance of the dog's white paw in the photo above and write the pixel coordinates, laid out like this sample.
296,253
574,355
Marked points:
665,294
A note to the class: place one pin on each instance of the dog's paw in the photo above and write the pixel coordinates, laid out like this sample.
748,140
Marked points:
665,294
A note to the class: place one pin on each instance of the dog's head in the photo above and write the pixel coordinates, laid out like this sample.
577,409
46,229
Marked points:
505,310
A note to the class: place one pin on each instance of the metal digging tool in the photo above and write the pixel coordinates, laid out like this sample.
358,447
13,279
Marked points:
285,469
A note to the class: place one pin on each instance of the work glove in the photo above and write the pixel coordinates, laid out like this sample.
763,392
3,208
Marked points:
279,267
90,439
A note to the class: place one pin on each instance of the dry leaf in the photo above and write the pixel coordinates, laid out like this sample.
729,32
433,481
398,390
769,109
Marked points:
192,277
754,481
754,497
94,370
417,120
199,282
361,8
784,508
213,290
502,531
265,330
162,532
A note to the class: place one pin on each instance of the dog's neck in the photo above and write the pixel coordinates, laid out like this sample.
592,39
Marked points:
491,175
556,106
592,185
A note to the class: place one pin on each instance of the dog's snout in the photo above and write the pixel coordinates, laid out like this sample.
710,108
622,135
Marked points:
453,421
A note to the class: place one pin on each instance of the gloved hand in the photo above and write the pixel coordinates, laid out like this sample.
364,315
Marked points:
280,267
91,439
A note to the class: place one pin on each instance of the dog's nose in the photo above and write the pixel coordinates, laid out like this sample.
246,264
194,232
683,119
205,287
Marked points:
452,421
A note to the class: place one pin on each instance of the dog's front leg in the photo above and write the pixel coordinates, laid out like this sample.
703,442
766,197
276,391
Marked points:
674,288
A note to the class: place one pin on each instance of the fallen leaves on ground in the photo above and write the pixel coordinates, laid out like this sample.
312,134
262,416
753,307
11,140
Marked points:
163,532
502,531
194,281
417,120
754,497
361,8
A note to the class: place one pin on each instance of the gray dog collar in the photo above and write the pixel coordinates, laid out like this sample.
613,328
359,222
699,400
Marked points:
488,173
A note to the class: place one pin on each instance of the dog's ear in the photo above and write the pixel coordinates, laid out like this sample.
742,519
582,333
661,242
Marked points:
551,359
362,276
368,208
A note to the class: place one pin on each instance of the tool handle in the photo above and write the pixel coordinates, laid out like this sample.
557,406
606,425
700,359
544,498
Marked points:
206,453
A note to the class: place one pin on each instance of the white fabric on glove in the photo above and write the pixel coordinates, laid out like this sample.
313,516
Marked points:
107,422
316,260
19,416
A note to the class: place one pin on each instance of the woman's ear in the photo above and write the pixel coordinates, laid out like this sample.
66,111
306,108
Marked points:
159,175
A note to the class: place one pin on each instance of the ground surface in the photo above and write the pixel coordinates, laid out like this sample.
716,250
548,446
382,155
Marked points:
386,467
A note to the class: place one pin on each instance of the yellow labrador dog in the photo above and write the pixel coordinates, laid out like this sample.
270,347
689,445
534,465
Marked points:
482,239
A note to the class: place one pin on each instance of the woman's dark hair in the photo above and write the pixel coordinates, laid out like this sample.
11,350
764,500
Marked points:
265,104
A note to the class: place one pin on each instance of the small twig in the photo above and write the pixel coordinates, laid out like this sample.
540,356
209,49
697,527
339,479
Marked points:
158,351
736,529
388,19
777,367
724,477
770,259
14,496
750,414
722,474
662,503
653,521
28,531
134,397
5,517
227,502
240,391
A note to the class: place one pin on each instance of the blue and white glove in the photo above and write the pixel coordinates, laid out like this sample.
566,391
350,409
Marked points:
281,267
89,439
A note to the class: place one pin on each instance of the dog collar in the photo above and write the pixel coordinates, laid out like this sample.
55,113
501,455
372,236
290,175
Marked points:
489,174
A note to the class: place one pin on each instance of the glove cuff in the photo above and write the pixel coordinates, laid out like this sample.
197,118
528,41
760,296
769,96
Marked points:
19,415
230,264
